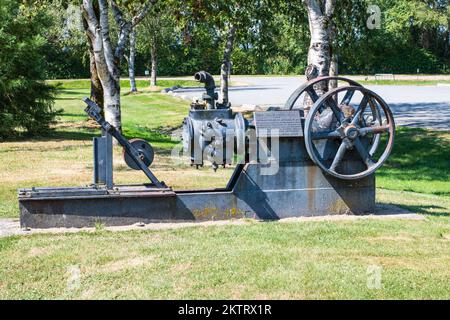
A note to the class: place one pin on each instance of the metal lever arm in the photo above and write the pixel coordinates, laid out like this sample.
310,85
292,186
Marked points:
94,111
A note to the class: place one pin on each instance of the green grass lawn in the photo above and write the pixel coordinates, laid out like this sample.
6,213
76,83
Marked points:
251,260
256,260
147,115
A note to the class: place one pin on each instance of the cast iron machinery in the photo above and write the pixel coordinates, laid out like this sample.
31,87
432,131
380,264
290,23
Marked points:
315,155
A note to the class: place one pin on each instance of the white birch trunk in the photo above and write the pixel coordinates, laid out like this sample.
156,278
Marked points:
131,60
107,60
226,66
334,70
112,108
319,60
154,58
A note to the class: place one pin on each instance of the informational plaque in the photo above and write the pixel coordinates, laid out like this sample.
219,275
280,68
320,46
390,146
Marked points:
278,123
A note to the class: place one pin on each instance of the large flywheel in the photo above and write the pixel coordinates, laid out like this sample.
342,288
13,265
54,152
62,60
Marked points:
349,123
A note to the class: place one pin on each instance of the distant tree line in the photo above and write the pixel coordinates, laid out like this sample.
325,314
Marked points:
272,38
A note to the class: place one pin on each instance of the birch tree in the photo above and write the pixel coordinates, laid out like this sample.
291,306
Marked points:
334,65
156,35
320,13
106,56
236,18
131,61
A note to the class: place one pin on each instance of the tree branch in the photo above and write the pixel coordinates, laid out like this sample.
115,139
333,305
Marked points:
93,31
329,8
104,24
125,27
141,15
314,7
90,22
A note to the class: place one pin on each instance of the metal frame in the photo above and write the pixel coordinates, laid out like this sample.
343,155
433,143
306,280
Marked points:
94,111
103,160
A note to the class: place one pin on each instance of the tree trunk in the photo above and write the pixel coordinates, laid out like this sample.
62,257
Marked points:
107,59
154,58
319,59
131,61
426,38
334,72
225,68
96,85
112,106
447,41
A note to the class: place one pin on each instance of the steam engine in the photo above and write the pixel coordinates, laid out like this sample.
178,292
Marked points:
212,131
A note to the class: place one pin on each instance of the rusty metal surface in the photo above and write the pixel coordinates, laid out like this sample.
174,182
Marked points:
131,191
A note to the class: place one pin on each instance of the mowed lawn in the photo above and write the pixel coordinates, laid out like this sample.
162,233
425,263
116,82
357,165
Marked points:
327,259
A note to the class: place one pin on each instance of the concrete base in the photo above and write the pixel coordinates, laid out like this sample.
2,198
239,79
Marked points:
297,188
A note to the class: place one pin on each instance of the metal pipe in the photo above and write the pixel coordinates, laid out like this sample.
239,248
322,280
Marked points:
210,86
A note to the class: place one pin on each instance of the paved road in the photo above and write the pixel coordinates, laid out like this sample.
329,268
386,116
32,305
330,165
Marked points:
418,106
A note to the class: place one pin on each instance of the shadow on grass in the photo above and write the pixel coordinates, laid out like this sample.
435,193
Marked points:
52,135
418,154
72,135
71,91
74,115
149,135
425,209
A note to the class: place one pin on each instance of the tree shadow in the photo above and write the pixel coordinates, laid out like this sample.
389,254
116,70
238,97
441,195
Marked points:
425,209
76,91
422,115
418,154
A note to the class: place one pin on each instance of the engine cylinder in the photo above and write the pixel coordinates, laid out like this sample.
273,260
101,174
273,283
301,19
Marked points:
214,135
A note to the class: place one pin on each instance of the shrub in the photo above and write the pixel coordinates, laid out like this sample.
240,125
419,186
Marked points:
26,101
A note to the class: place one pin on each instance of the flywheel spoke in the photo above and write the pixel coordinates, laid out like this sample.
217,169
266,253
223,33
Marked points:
363,153
348,97
339,156
362,106
312,94
331,103
325,135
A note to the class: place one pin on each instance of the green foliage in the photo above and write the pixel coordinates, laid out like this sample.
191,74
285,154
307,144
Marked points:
66,50
26,101
272,37
413,36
